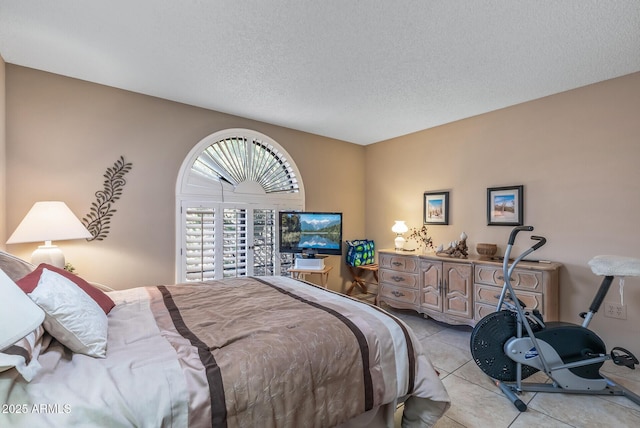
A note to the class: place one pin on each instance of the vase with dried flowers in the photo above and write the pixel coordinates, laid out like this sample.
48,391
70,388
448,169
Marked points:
421,236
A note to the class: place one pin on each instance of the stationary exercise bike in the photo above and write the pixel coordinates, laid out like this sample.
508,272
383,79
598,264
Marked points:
513,343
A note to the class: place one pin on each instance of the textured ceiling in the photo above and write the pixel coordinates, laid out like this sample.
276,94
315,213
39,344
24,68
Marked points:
359,71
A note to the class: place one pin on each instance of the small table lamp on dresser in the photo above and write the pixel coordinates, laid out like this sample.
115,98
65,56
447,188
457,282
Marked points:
49,221
399,227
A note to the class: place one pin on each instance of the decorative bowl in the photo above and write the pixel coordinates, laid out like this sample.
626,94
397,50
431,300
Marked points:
486,251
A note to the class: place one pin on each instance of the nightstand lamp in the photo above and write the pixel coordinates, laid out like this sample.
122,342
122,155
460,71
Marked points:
399,228
49,221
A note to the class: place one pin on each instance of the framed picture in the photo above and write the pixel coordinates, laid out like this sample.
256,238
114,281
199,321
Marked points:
436,207
505,206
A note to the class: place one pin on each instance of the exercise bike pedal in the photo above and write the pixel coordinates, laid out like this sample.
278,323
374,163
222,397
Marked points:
622,357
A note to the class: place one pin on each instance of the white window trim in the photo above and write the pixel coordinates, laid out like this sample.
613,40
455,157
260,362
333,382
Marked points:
194,190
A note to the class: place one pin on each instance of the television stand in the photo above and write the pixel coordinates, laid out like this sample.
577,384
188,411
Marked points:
301,273
310,253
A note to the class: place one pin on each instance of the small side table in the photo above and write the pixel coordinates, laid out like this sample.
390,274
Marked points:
300,274
357,273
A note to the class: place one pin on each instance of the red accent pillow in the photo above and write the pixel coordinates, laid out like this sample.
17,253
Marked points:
29,283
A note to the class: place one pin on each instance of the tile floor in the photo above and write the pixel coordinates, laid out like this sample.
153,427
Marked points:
477,402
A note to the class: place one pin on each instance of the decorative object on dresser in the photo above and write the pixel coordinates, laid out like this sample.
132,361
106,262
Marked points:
486,251
457,249
399,227
421,236
505,206
462,291
48,221
436,207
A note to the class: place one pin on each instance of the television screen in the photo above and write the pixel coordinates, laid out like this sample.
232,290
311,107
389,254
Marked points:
310,233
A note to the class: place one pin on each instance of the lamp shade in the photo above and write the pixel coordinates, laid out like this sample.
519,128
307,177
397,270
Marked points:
49,221
399,227
19,315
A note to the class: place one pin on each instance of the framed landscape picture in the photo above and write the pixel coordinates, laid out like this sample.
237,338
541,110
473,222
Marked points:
505,206
436,207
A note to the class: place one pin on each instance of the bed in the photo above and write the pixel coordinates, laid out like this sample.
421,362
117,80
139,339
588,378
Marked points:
240,352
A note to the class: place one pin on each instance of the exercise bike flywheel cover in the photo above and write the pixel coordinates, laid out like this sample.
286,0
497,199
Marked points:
487,346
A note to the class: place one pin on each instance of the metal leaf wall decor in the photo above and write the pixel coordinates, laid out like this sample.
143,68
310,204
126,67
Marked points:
98,220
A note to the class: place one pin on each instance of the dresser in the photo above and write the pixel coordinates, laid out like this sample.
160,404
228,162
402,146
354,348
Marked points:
462,291
398,280
446,290
536,284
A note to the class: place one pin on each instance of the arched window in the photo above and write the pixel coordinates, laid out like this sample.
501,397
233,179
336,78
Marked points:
228,194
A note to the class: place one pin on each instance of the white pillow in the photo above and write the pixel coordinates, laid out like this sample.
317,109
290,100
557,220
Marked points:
71,316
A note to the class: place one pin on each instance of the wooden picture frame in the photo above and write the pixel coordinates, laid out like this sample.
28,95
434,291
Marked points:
436,208
505,206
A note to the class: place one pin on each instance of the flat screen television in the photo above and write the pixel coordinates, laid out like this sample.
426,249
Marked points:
310,233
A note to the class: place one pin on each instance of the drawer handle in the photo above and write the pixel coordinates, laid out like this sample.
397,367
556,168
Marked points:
508,296
502,278
397,293
397,278
397,263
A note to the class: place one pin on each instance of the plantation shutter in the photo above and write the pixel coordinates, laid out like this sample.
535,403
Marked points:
200,255
229,190
264,241
246,245
234,247
238,161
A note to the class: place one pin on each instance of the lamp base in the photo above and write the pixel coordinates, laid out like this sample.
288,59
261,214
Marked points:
49,254
399,242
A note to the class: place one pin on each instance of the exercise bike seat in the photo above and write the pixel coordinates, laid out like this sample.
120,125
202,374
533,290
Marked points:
615,266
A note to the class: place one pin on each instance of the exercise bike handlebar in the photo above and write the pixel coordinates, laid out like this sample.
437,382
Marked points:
541,241
515,230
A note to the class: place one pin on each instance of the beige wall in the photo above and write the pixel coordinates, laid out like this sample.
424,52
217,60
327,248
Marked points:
3,168
576,154
63,134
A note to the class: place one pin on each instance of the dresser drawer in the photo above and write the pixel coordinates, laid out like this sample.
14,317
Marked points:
399,294
398,278
490,295
481,310
520,278
398,263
